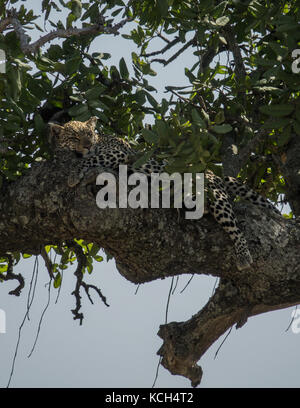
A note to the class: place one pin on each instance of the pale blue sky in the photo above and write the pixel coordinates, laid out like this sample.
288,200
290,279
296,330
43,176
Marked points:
116,346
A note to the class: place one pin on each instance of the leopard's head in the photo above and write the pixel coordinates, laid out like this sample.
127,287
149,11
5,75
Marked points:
74,135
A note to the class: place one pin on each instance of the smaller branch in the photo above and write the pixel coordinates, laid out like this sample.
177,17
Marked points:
48,262
186,100
12,276
28,48
207,57
88,287
245,152
176,55
235,49
169,45
69,32
187,284
81,259
163,38
82,262
4,24
21,33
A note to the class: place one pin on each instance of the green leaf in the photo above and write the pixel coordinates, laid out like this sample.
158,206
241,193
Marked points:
76,8
151,100
285,137
287,27
142,160
71,17
57,280
72,65
276,123
123,69
54,52
150,136
277,110
78,110
101,55
197,119
222,129
219,118
3,268
90,268
94,92
162,7
222,21
296,126
94,250
267,89
25,256
279,49
98,258
39,123
15,83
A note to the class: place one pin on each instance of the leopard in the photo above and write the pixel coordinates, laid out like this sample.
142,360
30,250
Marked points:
107,152
76,136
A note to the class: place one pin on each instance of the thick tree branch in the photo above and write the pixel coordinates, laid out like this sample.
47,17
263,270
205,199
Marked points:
186,342
149,244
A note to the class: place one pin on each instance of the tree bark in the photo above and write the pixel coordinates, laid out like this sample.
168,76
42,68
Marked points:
39,209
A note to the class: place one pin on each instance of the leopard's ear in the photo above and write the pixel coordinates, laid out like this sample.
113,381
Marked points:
54,131
91,123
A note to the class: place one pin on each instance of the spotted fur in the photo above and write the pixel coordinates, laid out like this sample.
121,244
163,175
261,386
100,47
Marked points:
108,152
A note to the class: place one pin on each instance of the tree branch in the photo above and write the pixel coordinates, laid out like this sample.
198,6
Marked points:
236,52
28,48
82,261
176,55
48,262
186,342
4,24
169,45
150,244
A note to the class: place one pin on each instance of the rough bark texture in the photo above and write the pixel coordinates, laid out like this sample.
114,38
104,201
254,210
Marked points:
148,244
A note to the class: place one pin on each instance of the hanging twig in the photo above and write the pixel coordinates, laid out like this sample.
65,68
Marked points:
292,320
223,342
29,303
41,319
189,281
